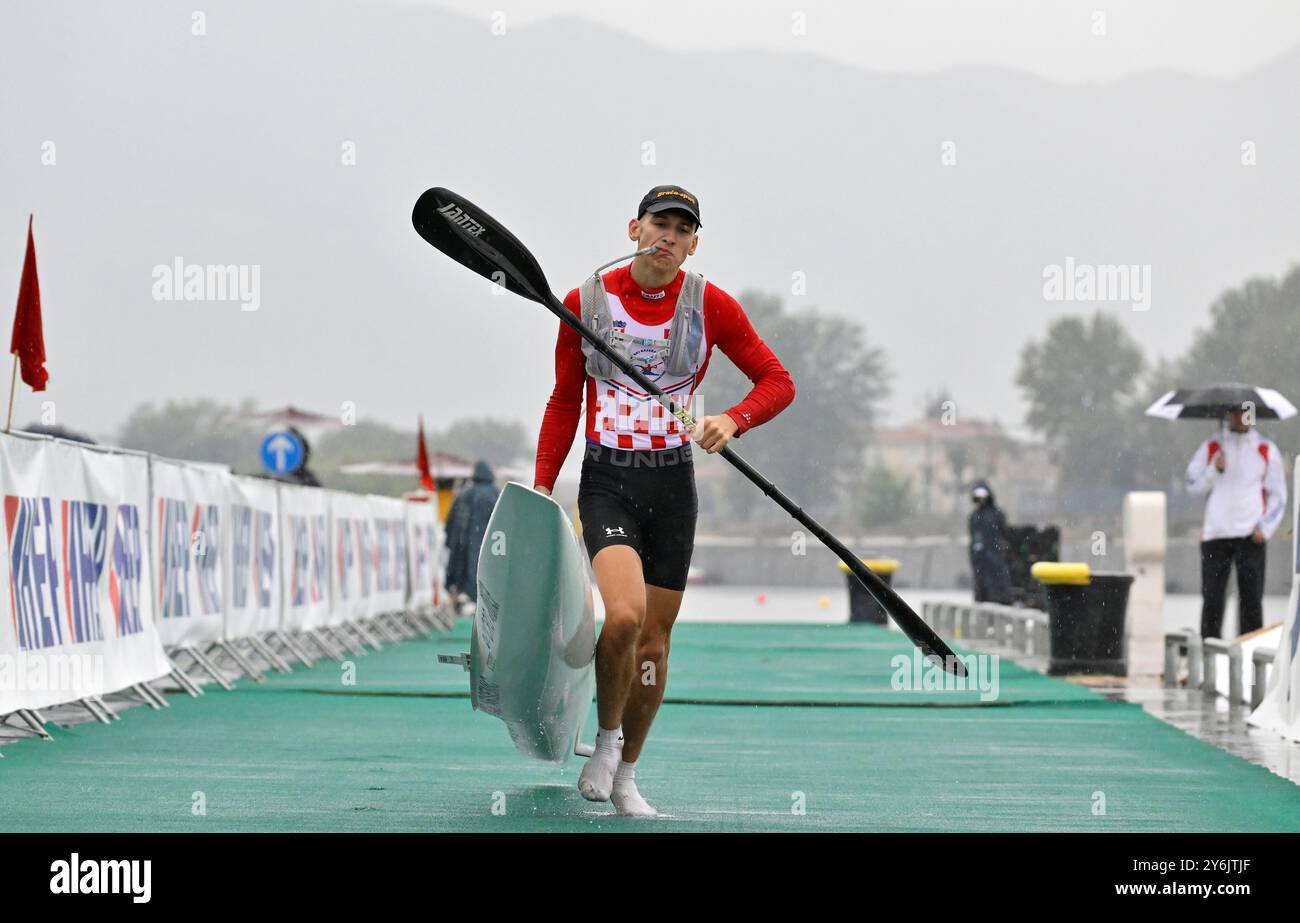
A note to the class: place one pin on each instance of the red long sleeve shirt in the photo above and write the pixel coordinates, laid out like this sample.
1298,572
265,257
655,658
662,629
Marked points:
618,413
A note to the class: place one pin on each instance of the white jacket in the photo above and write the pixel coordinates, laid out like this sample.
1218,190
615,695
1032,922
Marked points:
1250,493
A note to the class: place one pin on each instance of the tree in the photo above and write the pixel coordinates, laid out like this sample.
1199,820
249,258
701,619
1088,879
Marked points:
887,497
363,441
208,431
1079,382
498,442
197,430
959,459
937,404
1251,339
813,450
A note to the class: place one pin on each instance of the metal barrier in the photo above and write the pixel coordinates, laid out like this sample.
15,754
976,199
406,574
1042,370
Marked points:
1029,632
1203,655
1023,630
1262,659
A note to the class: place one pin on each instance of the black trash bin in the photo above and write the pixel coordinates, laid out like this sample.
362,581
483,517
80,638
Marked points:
1029,545
862,605
1087,625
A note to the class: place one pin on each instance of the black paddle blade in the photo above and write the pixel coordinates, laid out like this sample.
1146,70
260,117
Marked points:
475,239
917,631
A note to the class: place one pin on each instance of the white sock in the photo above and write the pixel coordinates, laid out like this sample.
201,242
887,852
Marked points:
609,741
624,793
597,777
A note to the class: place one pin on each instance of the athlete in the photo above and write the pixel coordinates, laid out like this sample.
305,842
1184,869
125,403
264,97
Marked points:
636,496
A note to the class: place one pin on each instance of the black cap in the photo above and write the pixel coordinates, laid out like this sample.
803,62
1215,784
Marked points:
665,198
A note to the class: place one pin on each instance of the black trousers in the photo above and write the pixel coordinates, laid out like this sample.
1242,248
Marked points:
992,578
1217,558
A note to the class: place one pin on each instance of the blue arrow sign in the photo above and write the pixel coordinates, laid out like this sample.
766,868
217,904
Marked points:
282,452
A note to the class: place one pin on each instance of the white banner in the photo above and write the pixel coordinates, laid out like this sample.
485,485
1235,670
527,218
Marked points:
110,557
252,558
304,556
354,554
191,507
388,517
79,617
423,543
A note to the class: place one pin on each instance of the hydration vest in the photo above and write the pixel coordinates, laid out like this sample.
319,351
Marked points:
685,334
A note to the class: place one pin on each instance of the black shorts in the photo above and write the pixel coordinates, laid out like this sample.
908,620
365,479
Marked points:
645,499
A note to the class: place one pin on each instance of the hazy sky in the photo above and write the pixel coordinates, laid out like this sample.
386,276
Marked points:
138,141
1052,38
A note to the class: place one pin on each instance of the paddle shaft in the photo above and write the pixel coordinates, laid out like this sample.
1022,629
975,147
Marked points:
921,634
482,244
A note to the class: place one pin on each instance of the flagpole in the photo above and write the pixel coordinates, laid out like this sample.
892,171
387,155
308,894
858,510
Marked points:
13,380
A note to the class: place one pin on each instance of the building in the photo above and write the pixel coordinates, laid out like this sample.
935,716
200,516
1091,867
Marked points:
942,459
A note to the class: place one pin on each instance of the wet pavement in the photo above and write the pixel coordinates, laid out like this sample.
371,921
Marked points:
1208,718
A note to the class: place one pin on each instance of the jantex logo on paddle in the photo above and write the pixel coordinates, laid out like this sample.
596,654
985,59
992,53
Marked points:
103,876
457,216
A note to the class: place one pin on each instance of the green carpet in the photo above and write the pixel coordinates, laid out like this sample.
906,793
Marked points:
839,750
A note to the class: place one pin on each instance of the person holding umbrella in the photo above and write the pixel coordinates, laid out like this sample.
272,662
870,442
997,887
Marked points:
1242,474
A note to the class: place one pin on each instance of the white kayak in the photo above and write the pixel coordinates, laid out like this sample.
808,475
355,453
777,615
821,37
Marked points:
532,650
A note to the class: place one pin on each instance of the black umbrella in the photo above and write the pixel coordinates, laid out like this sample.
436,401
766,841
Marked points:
1211,402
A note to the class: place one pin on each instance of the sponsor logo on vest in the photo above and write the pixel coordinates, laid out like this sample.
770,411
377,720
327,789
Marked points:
649,361
457,216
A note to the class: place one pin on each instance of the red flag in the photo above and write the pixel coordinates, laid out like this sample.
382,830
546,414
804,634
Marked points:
28,342
422,460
